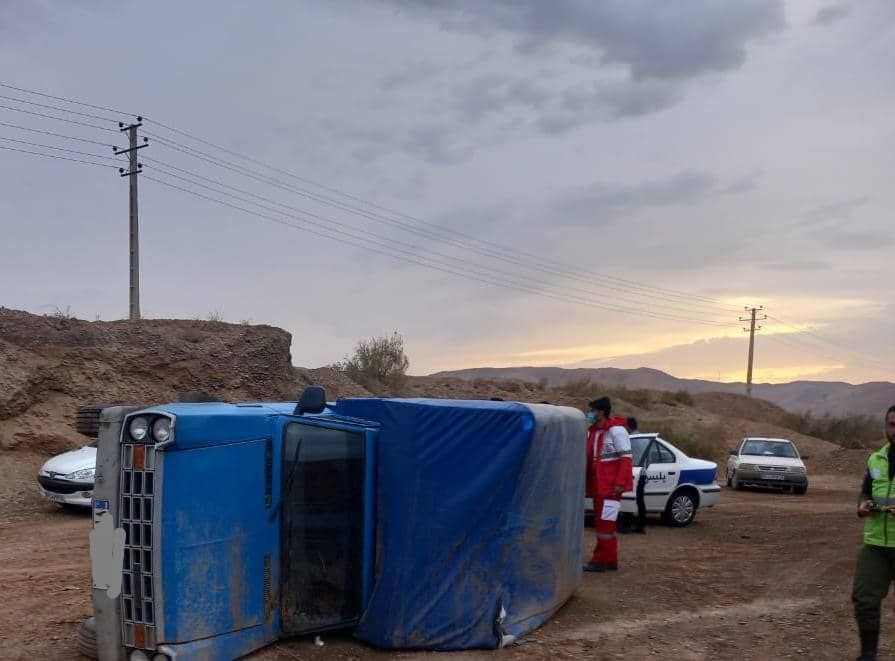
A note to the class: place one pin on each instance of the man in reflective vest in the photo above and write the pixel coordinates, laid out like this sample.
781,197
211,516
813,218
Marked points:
876,561
609,464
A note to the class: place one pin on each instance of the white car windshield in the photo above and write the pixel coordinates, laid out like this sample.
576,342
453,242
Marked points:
770,449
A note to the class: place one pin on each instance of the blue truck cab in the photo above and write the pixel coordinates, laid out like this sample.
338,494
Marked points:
220,528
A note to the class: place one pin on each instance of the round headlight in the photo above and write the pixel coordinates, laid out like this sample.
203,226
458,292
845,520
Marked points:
139,655
139,427
160,657
161,429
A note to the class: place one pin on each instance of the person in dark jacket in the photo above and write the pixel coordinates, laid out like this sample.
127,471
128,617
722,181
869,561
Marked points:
639,526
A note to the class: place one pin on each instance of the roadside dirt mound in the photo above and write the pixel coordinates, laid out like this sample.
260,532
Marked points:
49,366
739,406
512,390
336,384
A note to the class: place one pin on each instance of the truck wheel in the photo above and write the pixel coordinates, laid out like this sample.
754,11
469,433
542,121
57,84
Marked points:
735,483
800,491
87,638
681,508
87,419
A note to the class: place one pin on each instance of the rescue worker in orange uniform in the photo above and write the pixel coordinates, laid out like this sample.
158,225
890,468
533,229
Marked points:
610,474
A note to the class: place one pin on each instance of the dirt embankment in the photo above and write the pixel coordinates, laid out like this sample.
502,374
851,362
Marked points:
49,366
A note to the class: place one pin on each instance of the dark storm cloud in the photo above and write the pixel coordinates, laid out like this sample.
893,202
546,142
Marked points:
832,14
620,60
833,211
474,99
410,74
661,40
588,103
602,202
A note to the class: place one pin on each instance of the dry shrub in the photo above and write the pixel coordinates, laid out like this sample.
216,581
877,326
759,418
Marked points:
639,397
701,442
678,397
850,431
379,360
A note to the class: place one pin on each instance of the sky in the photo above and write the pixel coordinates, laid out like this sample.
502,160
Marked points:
572,183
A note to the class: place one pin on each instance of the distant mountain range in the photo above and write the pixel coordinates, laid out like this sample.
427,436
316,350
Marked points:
818,397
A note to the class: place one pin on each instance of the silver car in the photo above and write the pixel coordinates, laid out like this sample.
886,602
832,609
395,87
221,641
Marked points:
767,462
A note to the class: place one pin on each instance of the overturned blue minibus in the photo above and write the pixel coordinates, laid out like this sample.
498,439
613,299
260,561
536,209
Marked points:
414,523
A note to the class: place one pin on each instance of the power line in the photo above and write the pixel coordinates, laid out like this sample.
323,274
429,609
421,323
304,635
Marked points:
216,182
70,151
378,218
411,218
62,98
497,246
633,288
56,135
411,257
864,360
56,156
57,108
58,119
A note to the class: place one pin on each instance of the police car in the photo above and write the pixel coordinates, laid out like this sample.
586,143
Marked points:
677,485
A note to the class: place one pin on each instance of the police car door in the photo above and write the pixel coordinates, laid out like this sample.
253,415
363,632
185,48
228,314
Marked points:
662,476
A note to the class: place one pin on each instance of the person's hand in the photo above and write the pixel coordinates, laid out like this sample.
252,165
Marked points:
617,491
865,508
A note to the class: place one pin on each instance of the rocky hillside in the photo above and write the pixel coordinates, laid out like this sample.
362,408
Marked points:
819,397
51,365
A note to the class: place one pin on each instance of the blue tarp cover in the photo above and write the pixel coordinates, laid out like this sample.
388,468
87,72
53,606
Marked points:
479,520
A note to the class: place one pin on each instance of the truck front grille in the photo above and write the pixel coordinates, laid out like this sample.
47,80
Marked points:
138,488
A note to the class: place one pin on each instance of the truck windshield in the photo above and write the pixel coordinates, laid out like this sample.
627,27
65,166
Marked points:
322,526
770,449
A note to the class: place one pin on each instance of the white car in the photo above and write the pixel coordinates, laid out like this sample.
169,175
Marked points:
67,478
767,462
677,485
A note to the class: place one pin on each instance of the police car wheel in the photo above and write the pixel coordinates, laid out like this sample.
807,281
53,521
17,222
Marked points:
681,509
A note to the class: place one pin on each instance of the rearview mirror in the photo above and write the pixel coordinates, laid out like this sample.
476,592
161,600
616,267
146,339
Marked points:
733,453
806,456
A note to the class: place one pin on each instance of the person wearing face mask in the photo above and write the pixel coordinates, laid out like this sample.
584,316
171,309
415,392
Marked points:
610,473
875,569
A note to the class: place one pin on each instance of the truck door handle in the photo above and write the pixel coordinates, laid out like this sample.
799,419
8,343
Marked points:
672,472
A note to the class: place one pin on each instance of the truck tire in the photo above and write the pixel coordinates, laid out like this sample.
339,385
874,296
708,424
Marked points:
87,419
87,638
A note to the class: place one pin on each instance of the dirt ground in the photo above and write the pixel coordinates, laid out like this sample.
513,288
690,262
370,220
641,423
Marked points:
762,575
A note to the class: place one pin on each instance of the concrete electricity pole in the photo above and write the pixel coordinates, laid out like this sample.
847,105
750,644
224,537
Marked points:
751,330
134,168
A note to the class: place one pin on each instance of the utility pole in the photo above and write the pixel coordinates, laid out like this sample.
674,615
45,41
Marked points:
134,168
751,330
